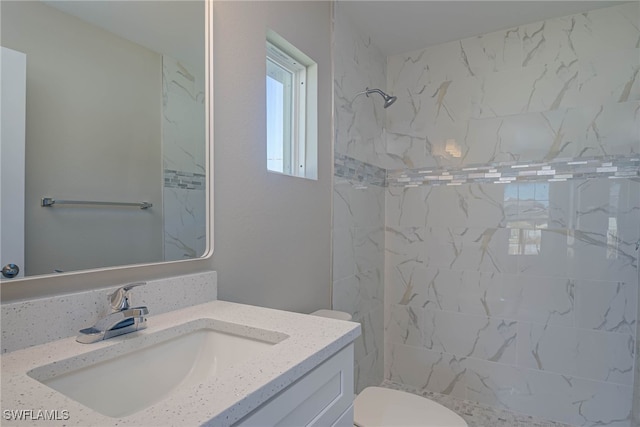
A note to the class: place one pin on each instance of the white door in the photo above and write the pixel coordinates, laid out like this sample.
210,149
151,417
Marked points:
13,74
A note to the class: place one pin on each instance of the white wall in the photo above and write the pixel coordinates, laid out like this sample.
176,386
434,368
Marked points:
272,232
93,133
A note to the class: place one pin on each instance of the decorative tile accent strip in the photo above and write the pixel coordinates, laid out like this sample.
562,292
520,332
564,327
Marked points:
353,169
186,180
504,173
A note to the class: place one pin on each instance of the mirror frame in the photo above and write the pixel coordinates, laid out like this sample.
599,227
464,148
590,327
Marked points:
82,280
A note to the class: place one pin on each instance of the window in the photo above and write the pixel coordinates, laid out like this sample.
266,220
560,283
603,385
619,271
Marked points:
291,84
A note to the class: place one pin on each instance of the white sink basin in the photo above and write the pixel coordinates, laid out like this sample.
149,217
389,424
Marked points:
129,376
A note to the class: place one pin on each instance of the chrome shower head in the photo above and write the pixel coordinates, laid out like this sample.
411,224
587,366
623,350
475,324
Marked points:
388,99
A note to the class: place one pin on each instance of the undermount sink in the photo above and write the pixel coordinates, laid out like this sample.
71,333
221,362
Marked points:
131,375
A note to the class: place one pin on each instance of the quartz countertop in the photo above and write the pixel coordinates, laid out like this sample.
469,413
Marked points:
218,401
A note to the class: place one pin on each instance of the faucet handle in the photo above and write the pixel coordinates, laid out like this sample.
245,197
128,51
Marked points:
120,297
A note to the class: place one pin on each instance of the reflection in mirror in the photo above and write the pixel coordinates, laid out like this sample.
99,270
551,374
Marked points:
115,112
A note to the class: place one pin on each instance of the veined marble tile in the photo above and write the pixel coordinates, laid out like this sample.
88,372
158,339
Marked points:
408,151
610,129
427,370
550,396
582,255
371,150
183,148
546,300
470,292
612,76
538,205
470,249
581,35
184,223
357,205
607,129
587,204
344,257
563,398
607,255
600,204
372,338
438,103
368,372
495,384
601,404
493,52
609,78
475,205
359,294
596,355
455,333
359,120
183,123
403,244
607,306
369,349
407,207
454,60
369,248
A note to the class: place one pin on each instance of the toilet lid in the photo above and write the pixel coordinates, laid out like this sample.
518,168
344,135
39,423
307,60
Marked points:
377,406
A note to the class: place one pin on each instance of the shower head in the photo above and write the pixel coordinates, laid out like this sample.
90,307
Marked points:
388,99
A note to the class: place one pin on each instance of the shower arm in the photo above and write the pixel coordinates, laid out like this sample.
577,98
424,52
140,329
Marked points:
388,99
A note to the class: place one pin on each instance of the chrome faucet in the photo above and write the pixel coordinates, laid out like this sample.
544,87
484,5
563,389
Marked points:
122,320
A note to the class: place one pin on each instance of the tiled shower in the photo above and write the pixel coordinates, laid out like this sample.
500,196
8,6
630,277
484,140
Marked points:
497,262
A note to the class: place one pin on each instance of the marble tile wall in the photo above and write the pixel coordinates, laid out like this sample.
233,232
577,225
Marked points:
521,296
358,195
184,163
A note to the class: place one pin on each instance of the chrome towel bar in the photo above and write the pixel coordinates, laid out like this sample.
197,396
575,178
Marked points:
50,201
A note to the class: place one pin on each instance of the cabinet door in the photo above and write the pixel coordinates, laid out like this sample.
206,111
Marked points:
320,398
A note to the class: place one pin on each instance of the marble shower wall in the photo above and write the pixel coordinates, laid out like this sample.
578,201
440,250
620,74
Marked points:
184,162
358,195
521,296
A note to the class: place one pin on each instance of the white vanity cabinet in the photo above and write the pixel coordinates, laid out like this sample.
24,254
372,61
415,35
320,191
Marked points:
323,397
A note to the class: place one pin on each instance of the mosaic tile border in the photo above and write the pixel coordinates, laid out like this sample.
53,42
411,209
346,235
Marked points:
496,173
356,170
185,180
504,173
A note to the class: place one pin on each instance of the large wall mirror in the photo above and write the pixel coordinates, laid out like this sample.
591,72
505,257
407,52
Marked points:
115,112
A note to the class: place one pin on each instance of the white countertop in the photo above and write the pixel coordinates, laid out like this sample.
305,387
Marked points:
218,401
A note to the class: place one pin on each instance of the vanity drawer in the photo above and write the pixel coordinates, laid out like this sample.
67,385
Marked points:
320,398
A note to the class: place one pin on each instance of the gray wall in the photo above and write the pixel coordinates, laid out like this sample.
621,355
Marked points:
102,95
272,232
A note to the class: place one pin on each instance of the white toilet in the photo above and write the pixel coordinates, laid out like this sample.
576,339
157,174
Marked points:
383,407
